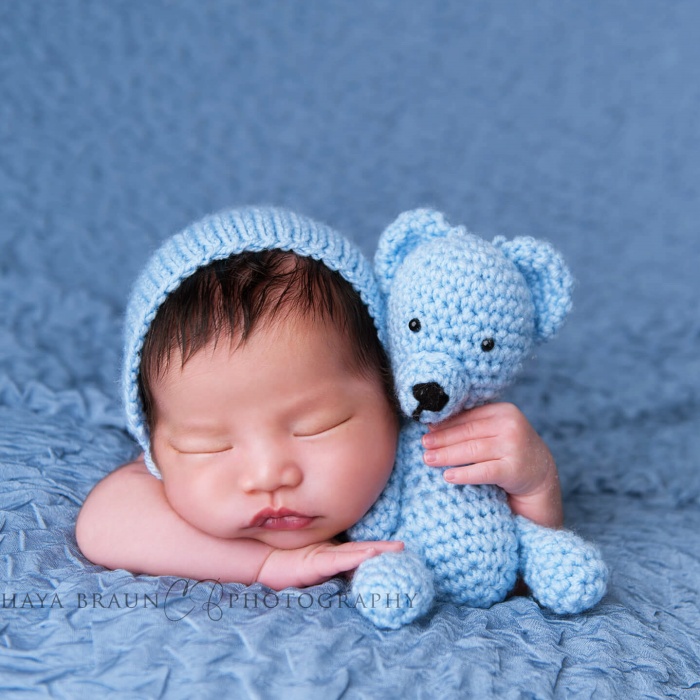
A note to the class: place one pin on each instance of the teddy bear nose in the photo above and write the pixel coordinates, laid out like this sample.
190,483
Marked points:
430,396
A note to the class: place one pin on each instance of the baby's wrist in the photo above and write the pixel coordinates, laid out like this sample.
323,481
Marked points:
543,506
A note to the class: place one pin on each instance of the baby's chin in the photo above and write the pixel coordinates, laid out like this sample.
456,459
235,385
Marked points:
314,533
295,539
319,530
323,529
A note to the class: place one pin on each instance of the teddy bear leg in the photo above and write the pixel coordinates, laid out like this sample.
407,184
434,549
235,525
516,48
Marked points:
564,572
392,589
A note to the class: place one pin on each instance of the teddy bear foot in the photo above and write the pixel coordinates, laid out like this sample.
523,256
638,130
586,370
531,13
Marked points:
564,572
392,589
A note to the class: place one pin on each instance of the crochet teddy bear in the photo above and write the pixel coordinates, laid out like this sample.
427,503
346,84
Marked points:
462,314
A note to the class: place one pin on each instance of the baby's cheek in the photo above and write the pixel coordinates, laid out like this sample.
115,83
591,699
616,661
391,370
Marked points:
196,501
177,494
368,467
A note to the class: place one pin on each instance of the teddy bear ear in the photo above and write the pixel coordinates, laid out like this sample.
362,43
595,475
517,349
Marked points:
409,230
548,278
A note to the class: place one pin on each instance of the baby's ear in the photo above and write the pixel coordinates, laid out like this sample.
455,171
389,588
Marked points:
408,231
548,278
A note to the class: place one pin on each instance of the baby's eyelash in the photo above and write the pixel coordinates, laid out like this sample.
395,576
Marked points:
323,430
203,452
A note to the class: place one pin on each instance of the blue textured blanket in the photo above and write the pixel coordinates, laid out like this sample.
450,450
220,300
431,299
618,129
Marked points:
574,122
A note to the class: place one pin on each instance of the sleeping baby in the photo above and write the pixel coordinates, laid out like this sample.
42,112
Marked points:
256,382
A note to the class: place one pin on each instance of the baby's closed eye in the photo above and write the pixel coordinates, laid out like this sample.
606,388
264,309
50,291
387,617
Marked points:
319,427
210,449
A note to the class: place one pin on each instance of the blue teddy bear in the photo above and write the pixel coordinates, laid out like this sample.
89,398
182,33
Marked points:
462,315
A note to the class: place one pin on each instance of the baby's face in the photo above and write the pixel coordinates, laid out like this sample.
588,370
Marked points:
278,440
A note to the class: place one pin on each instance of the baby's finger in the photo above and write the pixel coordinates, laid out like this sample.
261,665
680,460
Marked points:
461,453
379,545
474,474
480,412
459,432
337,561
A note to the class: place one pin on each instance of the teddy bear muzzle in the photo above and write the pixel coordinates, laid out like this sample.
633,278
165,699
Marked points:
430,386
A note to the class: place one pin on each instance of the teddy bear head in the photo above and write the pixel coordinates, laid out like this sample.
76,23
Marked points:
463,313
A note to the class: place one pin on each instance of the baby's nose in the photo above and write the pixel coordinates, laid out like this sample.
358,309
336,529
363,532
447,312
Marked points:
266,475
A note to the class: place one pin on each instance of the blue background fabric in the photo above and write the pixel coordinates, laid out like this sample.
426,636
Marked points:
575,122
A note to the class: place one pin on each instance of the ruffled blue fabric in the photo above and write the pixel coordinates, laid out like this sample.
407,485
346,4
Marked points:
122,122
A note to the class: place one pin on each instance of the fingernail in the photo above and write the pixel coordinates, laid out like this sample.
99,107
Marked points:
430,457
428,440
449,476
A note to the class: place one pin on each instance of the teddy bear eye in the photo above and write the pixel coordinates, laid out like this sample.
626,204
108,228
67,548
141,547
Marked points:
414,325
488,344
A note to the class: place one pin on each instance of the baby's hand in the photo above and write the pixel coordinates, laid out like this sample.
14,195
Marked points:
495,444
316,563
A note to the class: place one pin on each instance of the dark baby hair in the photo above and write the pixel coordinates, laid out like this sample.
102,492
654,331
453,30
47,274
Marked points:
232,296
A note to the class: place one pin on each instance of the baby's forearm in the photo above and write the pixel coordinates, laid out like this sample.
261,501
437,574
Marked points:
126,522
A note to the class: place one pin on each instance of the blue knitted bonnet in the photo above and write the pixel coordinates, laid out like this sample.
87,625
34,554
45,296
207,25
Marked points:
216,237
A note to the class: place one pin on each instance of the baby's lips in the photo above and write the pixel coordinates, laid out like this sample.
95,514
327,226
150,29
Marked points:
271,513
